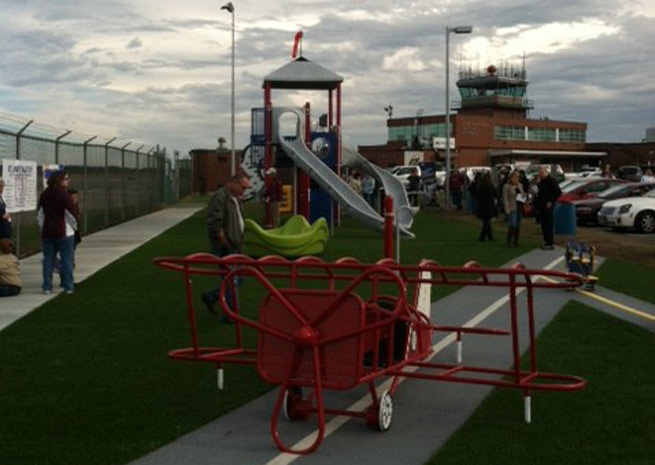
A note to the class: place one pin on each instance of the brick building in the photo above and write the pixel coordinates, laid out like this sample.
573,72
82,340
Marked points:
211,167
626,153
491,126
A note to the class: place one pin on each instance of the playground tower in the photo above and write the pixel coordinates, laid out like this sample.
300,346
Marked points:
303,74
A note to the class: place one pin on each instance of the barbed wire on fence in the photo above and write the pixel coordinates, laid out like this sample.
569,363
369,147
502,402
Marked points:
117,179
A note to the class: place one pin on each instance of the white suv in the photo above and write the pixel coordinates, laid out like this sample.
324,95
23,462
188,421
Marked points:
631,212
403,172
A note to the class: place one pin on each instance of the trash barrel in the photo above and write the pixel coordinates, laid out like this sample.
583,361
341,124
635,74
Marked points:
565,220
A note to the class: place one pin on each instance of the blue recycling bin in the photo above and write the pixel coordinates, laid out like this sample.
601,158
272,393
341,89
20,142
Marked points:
565,220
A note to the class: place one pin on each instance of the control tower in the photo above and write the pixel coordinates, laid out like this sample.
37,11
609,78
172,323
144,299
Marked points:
494,89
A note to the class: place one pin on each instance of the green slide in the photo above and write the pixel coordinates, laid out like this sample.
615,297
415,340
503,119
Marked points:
294,238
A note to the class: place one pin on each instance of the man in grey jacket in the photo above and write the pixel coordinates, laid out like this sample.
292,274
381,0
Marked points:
225,225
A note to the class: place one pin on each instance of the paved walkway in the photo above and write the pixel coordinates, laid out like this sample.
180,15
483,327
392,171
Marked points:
96,251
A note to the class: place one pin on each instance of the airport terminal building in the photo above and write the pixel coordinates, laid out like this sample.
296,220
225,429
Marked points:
490,126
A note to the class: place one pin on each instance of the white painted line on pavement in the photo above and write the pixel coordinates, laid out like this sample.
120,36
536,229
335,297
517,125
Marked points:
340,420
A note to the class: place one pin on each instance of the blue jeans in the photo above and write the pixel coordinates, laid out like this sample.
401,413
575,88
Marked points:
214,294
7,291
514,218
65,247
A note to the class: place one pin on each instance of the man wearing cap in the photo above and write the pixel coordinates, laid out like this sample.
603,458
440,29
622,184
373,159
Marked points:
273,195
225,225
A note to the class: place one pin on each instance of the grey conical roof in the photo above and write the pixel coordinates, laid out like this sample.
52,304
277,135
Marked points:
302,73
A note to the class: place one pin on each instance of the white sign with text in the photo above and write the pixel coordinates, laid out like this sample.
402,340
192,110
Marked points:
20,185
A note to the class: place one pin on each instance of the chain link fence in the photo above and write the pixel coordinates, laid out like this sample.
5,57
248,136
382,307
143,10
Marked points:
116,179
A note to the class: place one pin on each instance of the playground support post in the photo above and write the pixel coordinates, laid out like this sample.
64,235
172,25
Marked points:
388,227
268,154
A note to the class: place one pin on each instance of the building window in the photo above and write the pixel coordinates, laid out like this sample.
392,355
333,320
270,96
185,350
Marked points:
572,135
509,133
421,131
541,134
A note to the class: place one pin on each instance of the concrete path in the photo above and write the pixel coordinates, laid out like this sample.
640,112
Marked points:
426,414
96,251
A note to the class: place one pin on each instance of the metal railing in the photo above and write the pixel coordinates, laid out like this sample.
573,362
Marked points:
116,179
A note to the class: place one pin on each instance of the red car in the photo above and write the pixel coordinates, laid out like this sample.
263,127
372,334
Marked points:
586,188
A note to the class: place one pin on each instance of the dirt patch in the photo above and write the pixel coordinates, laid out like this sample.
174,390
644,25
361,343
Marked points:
608,243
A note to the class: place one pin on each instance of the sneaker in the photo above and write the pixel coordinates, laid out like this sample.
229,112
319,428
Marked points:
547,247
47,291
209,303
68,291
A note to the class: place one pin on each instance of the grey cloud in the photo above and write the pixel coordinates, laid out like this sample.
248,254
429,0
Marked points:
134,43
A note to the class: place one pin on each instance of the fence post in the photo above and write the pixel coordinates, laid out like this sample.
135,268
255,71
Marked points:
150,156
85,209
57,145
136,204
123,199
18,134
107,179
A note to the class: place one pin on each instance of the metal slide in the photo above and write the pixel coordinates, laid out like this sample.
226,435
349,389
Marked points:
352,203
391,185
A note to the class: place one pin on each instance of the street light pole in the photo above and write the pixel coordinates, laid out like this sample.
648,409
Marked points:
230,7
456,30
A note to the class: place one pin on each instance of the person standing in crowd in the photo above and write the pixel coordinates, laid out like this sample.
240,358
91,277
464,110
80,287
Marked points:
607,172
485,195
513,200
355,183
78,236
472,189
413,187
456,184
5,218
525,182
57,221
273,195
548,192
368,189
10,283
225,226
646,178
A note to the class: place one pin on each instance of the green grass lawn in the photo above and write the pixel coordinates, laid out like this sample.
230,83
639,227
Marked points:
86,379
630,278
610,422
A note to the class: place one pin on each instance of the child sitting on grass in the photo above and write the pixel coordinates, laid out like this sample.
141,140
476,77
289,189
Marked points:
10,283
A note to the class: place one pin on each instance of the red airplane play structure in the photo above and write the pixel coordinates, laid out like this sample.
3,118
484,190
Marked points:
335,325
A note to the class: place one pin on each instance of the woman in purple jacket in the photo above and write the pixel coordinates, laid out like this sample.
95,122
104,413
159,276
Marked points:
56,216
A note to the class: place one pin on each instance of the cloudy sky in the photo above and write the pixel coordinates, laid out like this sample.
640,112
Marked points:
158,71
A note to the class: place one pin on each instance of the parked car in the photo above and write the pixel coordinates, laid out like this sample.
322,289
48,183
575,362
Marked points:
403,172
586,188
587,210
532,170
585,172
630,173
629,213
